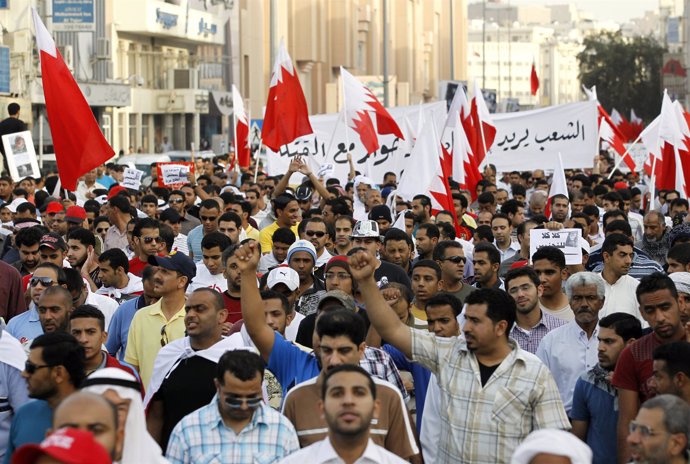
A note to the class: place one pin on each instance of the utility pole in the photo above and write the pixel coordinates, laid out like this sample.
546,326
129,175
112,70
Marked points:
385,53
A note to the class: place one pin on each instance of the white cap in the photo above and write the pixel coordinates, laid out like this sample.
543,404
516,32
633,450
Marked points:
283,275
551,441
16,202
682,281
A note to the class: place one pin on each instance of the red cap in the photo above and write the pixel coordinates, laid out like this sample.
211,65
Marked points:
621,185
69,446
55,207
115,190
75,214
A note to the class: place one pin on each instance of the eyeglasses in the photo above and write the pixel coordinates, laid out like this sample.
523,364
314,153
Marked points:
164,336
456,259
337,275
30,367
148,240
645,431
100,230
208,218
177,200
236,402
45,281
314,233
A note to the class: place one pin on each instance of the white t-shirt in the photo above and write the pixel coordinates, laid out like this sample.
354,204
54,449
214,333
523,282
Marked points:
204,279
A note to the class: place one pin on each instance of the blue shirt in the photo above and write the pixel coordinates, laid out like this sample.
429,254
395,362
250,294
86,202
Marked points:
118,331
290,365
596,402
13,394
420,375
26,326
30,424
106,181
194,238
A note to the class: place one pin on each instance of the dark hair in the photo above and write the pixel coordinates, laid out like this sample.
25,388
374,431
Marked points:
517,190
590,210
13,108
676,356
613,241
447,230
120,202
521,228
341,322
524,271
440,249
167,234
614,197
149,199
62,349
115,258
87,311
148,273
559,195
511,207
552,254
217,296
273,295
653,283
28,237
284,235
484,232
281,201
209,203
499,305
486,197
241,363
431,230
86,237
58,270
675,202
215,239
101,219
501,216
423,200
429,263
347,368
231,216
625,325
339,207
145,223
444,298
619,226
462,199
612,213
229,252
394,234
490,250
26,206
92,206
73,280
680,253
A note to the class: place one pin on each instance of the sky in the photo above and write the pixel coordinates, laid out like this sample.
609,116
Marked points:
617,10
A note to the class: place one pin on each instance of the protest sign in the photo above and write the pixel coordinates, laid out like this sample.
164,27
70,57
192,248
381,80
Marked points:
531,140
132,178
567,240
21,155
174,175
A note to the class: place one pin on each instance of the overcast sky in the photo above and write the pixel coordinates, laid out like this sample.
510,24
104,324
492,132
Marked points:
617,10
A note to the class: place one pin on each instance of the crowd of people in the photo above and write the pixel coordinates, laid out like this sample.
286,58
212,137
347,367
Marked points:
241,318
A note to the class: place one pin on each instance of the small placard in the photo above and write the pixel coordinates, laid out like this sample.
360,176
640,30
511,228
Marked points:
174,175
567,240
132,179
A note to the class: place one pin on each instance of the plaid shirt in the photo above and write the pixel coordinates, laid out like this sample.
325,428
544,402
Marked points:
529,341
485,424
380,364
202,437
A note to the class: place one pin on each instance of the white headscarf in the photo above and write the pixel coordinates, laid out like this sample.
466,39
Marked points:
552,441
139,447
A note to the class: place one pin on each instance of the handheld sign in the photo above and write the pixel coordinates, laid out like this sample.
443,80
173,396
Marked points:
174,175
21,155
132,178
567,240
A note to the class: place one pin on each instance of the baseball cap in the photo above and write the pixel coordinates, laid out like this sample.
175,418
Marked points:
16,202
366,228
176,261
170,215
75,214
343,298
55,207
620,185
67,445
52,240
380,212
25,223
303,193
115,190
283,274
301,245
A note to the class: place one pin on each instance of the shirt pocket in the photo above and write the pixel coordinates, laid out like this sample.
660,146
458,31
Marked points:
509,406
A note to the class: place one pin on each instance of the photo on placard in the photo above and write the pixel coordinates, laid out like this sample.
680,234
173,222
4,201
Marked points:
21,155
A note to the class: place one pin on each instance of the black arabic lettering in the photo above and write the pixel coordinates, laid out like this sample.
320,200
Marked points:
517,145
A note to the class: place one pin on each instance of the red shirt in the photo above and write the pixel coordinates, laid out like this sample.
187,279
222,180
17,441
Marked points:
234,307
136,266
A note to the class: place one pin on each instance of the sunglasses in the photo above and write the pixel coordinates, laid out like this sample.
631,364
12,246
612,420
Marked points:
456,259
148,240
45,281
164,336
208,218
178,200
102,229
236,403
30,367
314,233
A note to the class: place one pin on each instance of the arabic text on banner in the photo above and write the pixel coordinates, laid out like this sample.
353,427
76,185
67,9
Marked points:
567,240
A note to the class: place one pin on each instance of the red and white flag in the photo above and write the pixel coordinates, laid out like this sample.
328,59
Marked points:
533,80
77,138
558,185
636,125
484,127
242,151
359,104
287,116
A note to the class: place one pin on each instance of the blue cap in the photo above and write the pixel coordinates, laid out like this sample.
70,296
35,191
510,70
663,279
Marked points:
176,261
301,245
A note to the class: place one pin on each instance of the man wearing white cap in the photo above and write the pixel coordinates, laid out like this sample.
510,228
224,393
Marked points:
682,281
553,447
285,280
302,258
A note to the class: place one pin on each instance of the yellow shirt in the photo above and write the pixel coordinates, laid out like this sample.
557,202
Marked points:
252,233
144,339
416,312
266,236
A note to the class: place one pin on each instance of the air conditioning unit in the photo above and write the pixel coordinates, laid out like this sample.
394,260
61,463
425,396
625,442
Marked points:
67,52
183,78
102,48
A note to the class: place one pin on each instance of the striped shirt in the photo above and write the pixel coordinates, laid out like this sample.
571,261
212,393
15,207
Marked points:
202,436
391,429
485,424
529,340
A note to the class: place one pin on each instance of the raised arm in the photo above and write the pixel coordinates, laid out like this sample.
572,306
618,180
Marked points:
252,306
318,185
285,180
381,315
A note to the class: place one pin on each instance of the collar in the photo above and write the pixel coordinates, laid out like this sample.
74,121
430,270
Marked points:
33,313
326,452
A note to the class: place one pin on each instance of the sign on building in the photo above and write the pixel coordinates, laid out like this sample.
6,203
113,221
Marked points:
4,70
74,15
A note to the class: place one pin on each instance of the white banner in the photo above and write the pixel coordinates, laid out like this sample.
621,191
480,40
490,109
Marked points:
530,140
132,179
325,147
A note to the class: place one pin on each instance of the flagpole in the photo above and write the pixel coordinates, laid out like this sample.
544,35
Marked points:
627,153
653,185
234,132
335,129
